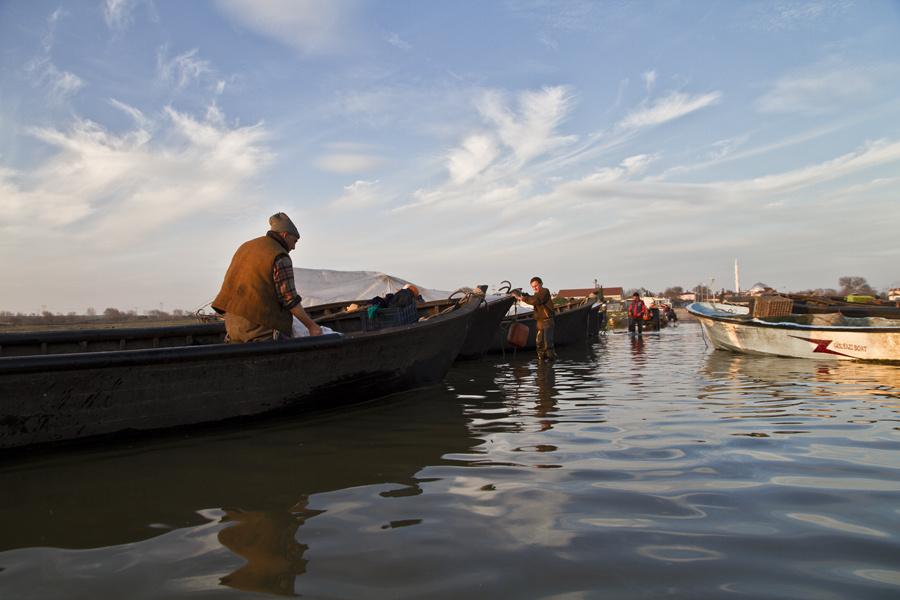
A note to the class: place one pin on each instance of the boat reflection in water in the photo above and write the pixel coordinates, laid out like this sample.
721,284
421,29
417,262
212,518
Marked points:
227,504
266,539
796,390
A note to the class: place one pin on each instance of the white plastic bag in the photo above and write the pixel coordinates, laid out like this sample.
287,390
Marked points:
298,329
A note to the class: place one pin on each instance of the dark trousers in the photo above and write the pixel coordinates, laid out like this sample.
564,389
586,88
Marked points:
544,341
240,329
636,322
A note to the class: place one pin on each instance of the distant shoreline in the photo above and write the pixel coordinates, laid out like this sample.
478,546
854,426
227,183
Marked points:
99,324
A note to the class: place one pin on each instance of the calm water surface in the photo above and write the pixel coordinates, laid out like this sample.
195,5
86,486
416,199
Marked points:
629,469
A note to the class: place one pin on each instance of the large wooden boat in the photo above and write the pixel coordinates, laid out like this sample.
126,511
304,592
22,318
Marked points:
349,317
819,334
574,322
61,386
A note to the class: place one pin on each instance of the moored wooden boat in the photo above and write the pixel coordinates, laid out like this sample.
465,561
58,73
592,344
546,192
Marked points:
827,336
339,316
573,323
75,385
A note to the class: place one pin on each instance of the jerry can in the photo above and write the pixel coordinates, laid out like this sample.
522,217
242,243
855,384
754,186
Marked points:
518,335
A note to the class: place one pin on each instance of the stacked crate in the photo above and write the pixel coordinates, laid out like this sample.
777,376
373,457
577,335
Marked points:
771,306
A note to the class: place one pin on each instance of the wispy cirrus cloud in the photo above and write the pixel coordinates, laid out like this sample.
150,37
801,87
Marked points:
352,163
547,41
650,79
312,26
394,40
781,17
620,182
60,84
352,158
473,156
360,194
873,155
183,69
118,187
821,88
525,128
673,106
119,14
517,130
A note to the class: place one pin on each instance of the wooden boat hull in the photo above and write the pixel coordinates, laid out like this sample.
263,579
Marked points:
569,326
484,328
736,332
477,343
65,397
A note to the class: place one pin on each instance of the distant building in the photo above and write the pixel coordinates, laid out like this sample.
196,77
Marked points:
893,294
609,293
688,297
760,288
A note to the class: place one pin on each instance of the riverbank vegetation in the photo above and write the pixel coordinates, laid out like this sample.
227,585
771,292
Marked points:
111,317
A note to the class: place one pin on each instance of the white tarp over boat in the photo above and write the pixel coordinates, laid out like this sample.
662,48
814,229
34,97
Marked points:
324,286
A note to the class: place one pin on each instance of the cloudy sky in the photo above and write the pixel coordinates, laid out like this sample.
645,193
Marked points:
639,144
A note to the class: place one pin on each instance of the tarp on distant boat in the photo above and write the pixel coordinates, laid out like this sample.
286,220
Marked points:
324,286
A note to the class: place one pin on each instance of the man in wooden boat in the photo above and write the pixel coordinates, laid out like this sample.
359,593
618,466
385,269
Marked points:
543,316
258,297
636,313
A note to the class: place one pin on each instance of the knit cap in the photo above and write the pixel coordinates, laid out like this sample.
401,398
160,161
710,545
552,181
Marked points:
281,223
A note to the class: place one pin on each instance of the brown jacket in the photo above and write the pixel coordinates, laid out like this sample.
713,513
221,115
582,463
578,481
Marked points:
543,308
249,286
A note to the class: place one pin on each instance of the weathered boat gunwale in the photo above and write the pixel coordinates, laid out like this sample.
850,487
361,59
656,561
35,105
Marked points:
77,341
146,356
855,312
750,321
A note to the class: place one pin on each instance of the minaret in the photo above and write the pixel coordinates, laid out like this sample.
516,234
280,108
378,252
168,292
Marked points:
737,281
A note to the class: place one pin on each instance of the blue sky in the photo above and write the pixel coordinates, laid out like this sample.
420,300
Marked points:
639,144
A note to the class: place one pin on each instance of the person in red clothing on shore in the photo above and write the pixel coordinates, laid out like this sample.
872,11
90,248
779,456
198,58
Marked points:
636,313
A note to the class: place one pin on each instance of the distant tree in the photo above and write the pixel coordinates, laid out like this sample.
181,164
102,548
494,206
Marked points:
673,293
159,315
702,291
91,312
855,285
113,314
820,292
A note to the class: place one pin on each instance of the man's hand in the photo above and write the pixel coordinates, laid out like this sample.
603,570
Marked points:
301,315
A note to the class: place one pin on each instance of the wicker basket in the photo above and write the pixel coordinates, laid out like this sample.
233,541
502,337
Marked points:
389,317
771,306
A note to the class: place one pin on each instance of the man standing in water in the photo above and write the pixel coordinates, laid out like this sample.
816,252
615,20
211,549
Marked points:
258,296
543,316
636,313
